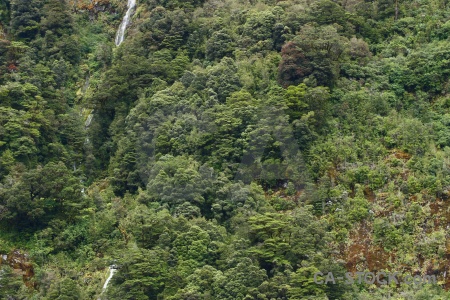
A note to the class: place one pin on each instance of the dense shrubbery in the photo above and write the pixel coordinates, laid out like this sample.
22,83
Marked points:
226,150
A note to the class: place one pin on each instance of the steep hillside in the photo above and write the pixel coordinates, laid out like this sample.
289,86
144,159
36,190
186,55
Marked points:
223,149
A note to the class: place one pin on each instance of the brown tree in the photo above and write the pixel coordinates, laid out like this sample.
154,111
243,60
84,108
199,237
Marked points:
293,66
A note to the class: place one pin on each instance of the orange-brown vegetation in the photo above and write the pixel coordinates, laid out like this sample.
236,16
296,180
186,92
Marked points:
21,265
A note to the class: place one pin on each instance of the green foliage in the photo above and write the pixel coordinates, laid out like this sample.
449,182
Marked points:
142,275
36,196
226,150
303,285
65,289
25,17
219,45
12,285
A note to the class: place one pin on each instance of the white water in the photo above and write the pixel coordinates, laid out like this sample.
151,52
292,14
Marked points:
126,20
111,274
89,119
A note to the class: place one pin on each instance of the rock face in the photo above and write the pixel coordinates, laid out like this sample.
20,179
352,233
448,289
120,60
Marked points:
21,265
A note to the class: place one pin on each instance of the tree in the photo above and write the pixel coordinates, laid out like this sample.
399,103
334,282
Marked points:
41,194
223,79
57,18
326,12
294,66
219,45
64,289
4,13
387,8
270,232
11,284
142,275
199,284
174,181
302,284
240,281
57,28
25,18
257,32
324,48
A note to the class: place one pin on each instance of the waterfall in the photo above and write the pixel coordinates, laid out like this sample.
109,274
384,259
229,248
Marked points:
111,274
112,270
89,119
126,20
87,123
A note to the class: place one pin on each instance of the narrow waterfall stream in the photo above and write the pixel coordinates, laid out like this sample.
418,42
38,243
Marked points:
119,39
112,270
126,20
89,119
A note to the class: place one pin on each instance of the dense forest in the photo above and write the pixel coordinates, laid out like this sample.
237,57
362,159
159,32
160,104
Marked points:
225,149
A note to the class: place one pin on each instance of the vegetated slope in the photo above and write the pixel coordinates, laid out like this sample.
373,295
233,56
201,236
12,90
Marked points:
225,150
